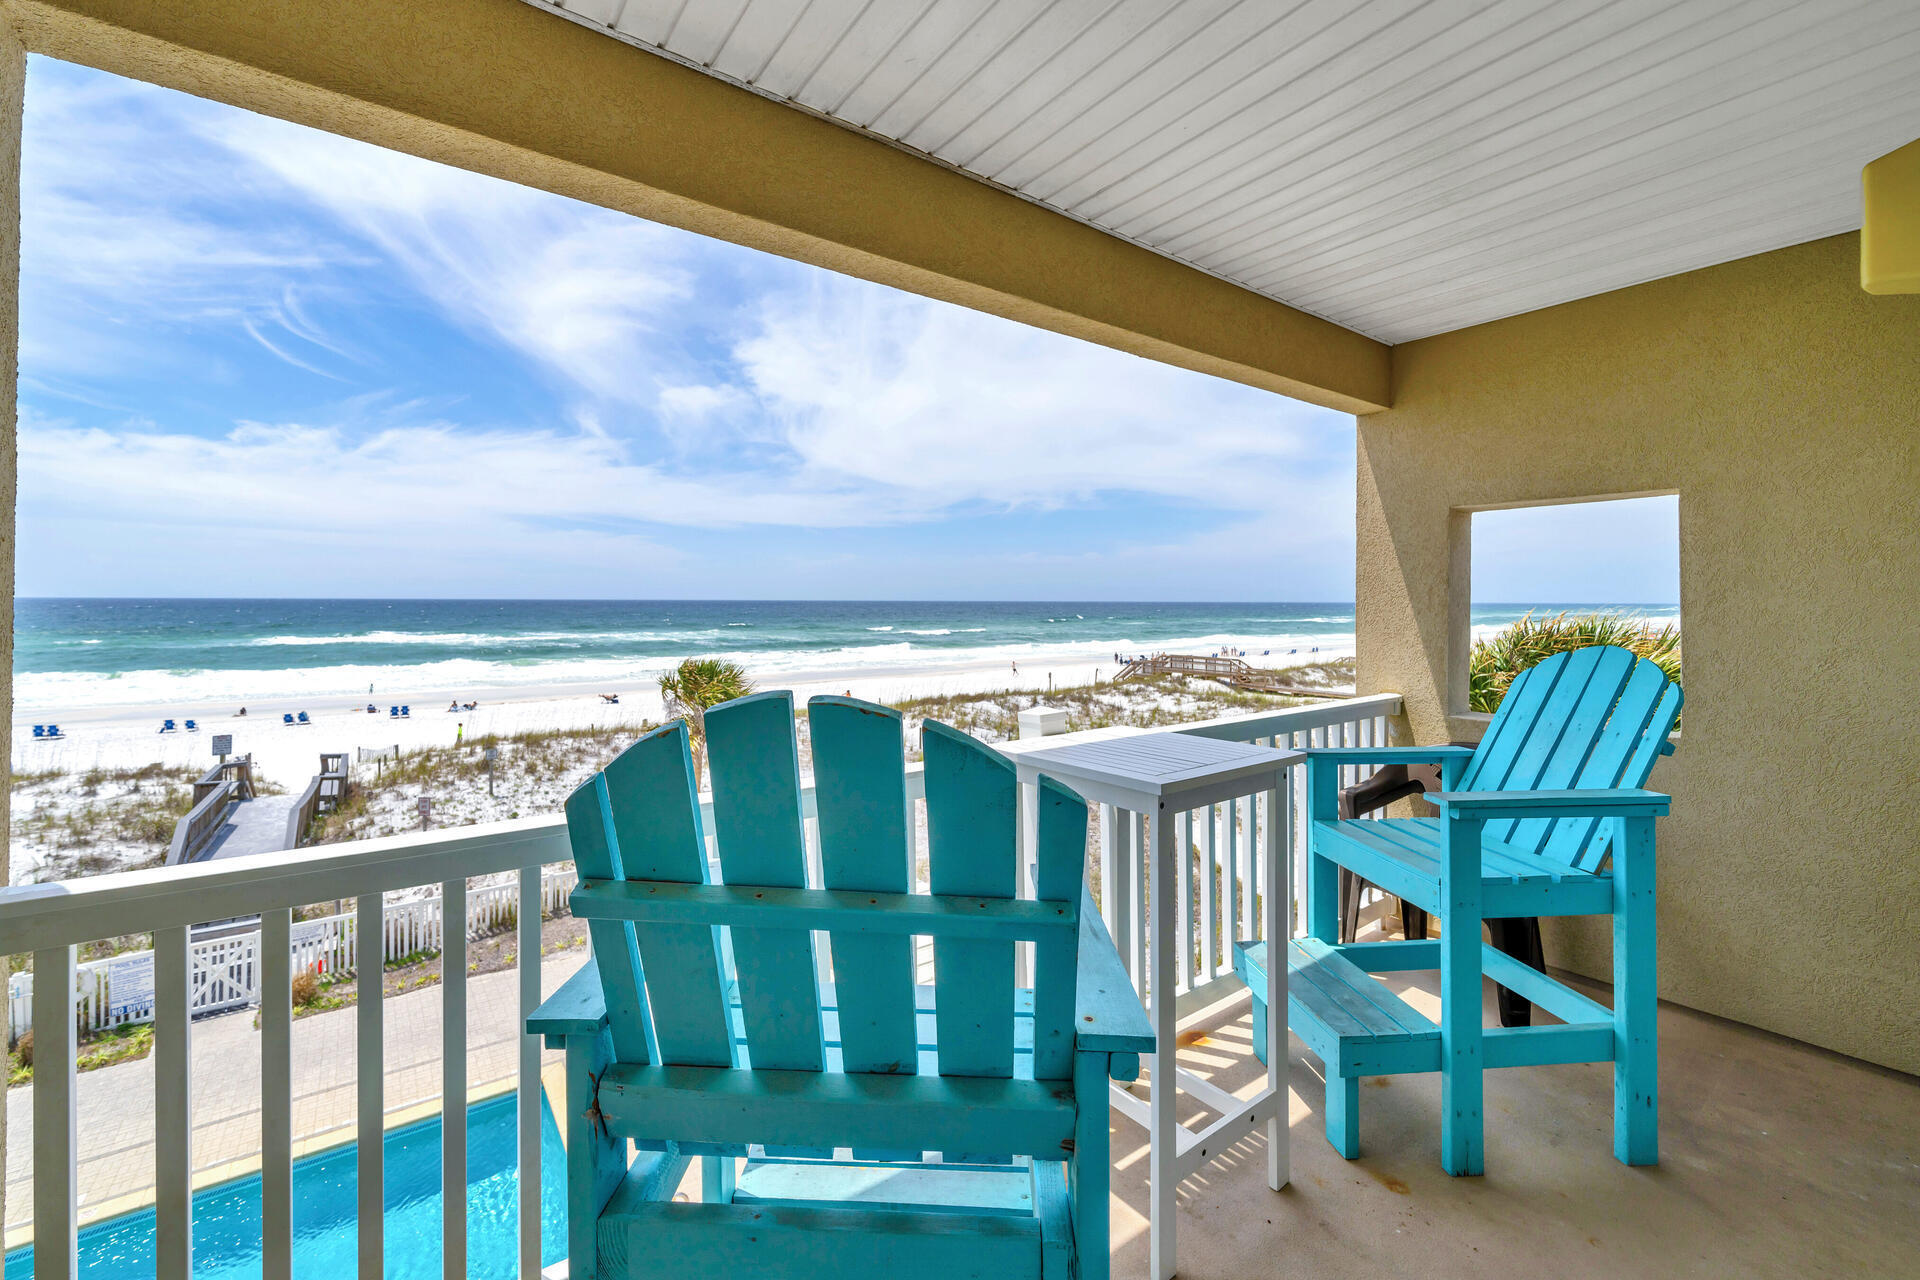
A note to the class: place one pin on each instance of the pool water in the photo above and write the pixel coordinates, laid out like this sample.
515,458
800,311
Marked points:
226,1218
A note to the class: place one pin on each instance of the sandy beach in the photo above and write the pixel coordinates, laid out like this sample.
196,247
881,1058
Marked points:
119,737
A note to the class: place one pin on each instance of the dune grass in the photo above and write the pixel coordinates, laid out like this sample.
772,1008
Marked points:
1503,656
1148,703
550,756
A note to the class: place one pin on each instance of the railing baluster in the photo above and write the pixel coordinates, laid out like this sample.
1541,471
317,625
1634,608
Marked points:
529,1097
1109,844
1183,970
370,1082
1137,876
1297,795
55,1171
1250,893
1207,895
1231,891
276,1093
453,1080
172,1105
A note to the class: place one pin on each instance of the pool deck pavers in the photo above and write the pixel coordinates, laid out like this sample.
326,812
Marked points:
115,1104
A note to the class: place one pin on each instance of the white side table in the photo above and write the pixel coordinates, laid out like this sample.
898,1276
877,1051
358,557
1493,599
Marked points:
1159,775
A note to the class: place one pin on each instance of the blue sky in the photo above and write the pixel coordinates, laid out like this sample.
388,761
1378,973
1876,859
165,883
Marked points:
258,359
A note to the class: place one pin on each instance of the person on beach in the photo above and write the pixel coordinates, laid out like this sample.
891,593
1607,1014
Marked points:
1016,668
459,734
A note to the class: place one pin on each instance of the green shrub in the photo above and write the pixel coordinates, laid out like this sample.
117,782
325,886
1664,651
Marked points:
1498,659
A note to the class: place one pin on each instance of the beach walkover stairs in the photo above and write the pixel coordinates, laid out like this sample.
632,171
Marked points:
1232,671
230,819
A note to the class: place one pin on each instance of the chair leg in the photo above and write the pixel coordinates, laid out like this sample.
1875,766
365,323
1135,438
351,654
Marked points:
716,1179
1343,1115
1323,897
1350,886
1518,937
1413,920
1260,1027
1462,1136
1088,1170
1636,1009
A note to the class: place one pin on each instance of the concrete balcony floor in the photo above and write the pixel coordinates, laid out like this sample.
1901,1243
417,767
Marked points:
1777,1159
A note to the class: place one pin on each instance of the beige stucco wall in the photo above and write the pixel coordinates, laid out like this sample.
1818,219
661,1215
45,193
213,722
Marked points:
1782,404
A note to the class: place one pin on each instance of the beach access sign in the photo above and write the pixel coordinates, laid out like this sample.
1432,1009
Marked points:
223,744
130,986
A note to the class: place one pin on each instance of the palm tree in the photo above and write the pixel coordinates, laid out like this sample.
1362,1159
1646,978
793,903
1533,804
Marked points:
694,686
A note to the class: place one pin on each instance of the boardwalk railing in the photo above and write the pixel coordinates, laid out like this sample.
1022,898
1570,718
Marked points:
52,920
220,786
1234,671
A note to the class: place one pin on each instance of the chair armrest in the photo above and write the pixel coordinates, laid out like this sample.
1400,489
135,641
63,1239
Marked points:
1387,755
1621,802
579,1007
1107,1016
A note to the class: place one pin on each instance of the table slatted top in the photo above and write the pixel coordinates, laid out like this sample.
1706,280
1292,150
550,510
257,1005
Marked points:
1156,763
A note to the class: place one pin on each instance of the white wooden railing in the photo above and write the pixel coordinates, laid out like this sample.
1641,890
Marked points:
1224,908
226,968
52,920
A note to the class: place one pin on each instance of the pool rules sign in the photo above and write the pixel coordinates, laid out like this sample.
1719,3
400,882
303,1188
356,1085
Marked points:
130,987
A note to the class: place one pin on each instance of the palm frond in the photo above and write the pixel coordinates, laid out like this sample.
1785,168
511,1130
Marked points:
696,685
1502,656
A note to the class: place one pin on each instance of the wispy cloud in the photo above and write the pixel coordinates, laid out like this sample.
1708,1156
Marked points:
569,387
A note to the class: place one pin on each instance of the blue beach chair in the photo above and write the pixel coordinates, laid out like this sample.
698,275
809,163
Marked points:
1529,820
39,731
393,713
672,1048
287,718
406,712
302,719
53,731
166,726
192,727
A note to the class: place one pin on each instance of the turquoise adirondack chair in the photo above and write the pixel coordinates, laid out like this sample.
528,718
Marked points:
955,1130
1546,817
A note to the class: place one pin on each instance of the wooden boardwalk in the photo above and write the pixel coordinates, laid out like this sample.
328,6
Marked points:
1233,671
252,826
230,820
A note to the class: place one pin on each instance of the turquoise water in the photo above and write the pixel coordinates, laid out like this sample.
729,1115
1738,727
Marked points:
79,653
226,1218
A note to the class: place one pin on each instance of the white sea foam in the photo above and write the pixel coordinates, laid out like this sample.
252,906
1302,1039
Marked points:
53,692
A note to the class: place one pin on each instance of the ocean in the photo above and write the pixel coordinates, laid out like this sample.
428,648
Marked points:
70,654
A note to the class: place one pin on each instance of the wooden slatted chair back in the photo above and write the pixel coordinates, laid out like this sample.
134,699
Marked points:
758,828
860,797
1592,718
639,820
667,985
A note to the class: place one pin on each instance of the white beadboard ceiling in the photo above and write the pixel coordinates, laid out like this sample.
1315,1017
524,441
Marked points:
1400,167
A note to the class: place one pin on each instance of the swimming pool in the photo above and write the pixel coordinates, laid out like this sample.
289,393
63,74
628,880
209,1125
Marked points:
226,1218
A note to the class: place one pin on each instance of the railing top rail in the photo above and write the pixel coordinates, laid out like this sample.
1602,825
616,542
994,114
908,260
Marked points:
1237,728
1266,724
36,916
